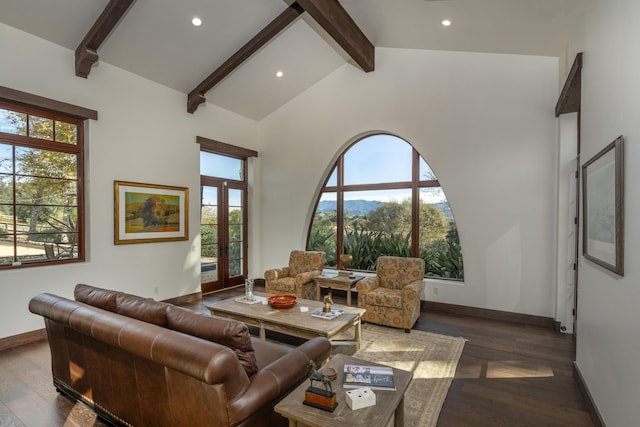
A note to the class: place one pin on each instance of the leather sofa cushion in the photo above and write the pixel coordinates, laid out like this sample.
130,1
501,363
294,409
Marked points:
97,297
228,332
268,352
145,309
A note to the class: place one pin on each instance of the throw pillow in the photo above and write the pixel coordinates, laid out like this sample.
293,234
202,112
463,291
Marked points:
97,297
145,309
227,332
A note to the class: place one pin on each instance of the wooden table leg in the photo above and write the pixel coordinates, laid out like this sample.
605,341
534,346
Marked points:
358,333
317,291
398,419
293,423
263,333
349,295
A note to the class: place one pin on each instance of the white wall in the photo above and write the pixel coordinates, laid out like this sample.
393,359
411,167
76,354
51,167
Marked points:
484,123
608,337
143,134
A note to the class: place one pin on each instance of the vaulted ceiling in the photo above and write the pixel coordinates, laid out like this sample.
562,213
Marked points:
155,38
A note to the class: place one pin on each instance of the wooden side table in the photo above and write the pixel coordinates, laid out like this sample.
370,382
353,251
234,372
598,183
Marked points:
335,281
388,403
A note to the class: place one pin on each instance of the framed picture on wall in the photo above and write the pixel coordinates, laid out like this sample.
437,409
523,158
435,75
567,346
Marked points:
603,207
146,213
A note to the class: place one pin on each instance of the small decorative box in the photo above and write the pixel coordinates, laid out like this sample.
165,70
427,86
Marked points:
360,398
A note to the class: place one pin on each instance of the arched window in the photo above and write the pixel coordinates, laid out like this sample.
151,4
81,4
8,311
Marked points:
382,198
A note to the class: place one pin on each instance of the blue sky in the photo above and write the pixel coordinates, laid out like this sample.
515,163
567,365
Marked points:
5,124
383,158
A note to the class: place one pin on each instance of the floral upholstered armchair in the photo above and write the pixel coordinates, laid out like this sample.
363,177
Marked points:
297,278
392,297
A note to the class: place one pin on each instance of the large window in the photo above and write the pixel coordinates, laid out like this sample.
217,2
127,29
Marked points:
382,198
41,164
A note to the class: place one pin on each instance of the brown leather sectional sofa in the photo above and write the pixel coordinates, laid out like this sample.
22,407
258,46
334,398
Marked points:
140,362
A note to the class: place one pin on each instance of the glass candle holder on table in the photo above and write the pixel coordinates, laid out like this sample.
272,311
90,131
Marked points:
248,289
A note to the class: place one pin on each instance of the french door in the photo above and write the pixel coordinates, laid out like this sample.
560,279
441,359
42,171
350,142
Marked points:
223,231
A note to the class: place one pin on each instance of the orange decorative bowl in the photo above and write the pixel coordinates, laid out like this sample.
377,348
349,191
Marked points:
283,301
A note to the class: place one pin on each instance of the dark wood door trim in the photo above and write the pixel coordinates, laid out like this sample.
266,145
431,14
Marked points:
569,100
217,147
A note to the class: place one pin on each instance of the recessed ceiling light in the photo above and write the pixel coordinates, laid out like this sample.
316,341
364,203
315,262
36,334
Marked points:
196,21
279,74
446,23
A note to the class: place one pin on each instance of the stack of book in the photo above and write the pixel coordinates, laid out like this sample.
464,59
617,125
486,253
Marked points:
327,315
255,300
374,377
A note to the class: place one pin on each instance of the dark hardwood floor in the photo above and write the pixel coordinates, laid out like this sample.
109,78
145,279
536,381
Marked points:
509,375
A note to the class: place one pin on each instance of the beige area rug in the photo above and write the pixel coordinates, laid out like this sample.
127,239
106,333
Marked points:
433,359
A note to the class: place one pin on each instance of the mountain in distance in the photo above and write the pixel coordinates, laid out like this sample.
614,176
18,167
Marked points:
363,207
354,207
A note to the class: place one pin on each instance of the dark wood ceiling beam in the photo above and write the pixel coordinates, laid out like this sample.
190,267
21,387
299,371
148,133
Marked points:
87,51
197,95
570,97
338,23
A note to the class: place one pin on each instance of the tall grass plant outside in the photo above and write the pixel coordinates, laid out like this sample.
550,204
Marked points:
443,257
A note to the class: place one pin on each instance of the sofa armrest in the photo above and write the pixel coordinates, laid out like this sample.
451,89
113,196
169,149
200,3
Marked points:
274,274
364,286
274,380
307,277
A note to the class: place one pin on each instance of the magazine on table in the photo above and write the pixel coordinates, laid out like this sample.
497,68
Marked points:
256,299
374,377
329,315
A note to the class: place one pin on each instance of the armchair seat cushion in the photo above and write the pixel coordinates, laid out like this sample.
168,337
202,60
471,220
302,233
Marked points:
284,285
384,297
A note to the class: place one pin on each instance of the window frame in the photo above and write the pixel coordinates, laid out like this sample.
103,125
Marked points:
414,185
23,102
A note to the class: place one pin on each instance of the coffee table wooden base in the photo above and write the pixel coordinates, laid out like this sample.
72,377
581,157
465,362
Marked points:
264,326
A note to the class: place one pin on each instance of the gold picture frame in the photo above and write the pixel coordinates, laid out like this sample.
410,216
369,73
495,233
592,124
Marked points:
147,213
